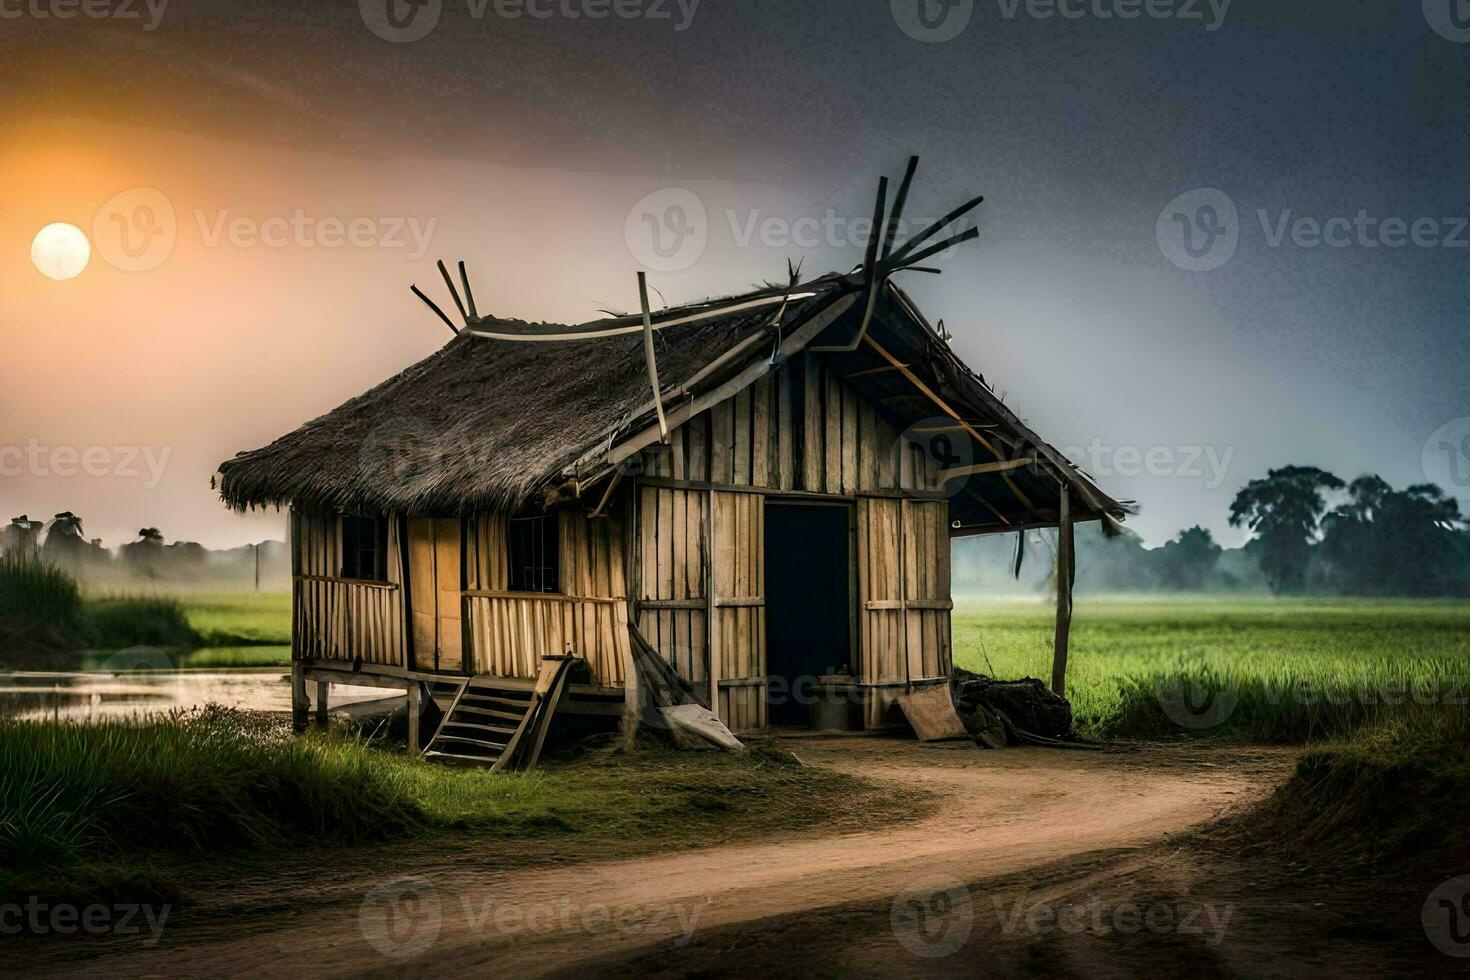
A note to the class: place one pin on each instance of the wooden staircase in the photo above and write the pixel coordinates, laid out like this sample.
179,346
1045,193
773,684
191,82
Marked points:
493,724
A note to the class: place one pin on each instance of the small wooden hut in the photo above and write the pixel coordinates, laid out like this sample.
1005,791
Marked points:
776,506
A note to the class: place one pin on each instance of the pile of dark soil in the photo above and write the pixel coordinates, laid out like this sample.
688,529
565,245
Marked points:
1000,713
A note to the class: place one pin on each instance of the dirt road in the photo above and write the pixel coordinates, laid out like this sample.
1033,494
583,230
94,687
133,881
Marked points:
1003,813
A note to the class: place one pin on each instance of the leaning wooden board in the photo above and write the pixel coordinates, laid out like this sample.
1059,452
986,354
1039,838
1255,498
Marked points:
930,710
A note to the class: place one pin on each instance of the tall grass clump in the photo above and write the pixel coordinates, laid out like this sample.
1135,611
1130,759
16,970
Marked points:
115,622
38,594
199,782
1395,795
1285,702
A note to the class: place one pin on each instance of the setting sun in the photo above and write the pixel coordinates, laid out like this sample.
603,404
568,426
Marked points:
60,251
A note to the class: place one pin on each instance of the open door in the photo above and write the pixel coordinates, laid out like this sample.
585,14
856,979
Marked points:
808,603
435,573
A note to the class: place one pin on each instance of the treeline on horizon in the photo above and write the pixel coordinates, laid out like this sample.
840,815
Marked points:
1312,534
149,560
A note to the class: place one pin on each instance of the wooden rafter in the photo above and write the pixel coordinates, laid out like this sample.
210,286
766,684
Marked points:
932,396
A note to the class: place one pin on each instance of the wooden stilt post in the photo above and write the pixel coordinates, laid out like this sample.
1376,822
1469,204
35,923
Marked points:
413,718
1066,561
300,703
321,704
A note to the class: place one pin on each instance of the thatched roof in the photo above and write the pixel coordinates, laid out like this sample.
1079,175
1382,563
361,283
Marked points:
492,425
480,425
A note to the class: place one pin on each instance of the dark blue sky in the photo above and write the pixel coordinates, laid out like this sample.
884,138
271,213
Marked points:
1080,130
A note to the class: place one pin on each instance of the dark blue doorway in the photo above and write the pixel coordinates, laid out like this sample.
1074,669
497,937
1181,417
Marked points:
808,602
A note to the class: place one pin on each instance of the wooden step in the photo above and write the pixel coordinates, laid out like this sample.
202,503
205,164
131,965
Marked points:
498,747
471,709
456,758
478,727
491,701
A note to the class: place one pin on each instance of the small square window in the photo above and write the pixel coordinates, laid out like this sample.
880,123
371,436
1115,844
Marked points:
365,548
533,554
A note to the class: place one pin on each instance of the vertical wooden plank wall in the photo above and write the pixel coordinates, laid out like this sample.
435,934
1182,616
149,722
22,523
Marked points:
594,569
672,572
799,427
739,628
881,657
903,585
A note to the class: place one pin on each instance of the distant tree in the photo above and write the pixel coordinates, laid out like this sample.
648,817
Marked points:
64,540
1284,510
20,536
1188,562
145,554
1394,542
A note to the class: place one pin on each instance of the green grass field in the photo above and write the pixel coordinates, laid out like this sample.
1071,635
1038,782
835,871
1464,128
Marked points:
240,619
1288,670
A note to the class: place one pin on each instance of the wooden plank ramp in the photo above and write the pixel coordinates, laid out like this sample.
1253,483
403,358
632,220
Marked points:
498,726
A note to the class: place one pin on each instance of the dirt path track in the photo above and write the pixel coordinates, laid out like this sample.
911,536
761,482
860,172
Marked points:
1003,812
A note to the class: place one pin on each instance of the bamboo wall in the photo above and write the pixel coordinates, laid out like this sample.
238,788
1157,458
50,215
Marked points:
334,618
904,591
510,632
800,428
504,633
